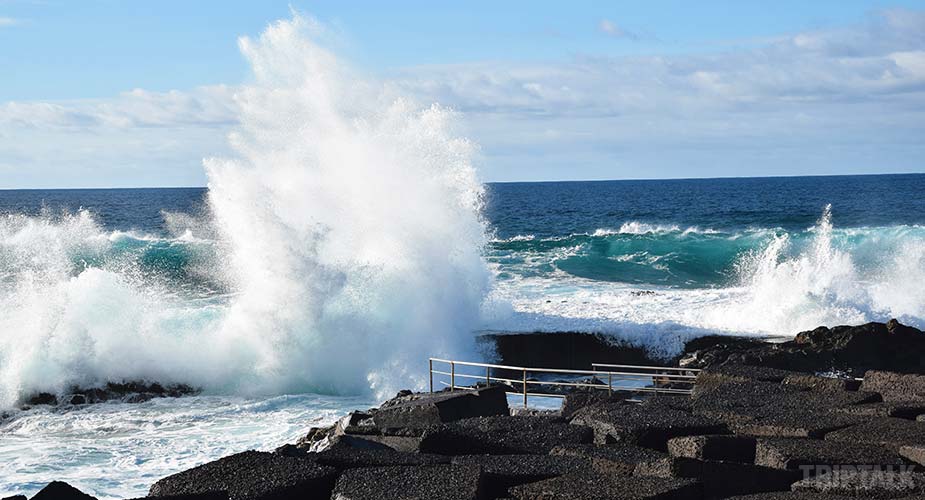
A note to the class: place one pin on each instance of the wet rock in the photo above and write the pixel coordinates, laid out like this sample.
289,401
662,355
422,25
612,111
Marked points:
15,497
565,350
896,387
501,472
582,486
791,454
864,483
437,482
502,436
252,475
420,411
650,426
58,490
890,432
716,447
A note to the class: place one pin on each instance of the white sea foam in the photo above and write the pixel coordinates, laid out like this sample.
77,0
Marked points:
347,224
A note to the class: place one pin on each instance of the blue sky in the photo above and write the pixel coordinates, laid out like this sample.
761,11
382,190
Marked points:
133,93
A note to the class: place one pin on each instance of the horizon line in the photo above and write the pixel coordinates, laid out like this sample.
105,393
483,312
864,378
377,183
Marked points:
550,181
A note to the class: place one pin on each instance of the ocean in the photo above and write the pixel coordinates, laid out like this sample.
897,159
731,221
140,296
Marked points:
151,284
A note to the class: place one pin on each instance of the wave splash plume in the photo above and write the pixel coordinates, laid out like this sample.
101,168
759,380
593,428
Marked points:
343,246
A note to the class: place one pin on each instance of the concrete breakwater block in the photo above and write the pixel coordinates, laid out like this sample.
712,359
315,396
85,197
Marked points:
791,454
349,458
436,482
252,475
502,435
620,459
582,486
645,425
502,472
716,447
828,384
419,411
907,410
895,386
890,432
865,484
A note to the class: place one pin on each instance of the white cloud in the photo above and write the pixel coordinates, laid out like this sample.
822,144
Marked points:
826,101
8,21
610,28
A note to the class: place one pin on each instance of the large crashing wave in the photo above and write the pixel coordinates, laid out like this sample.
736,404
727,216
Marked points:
346,249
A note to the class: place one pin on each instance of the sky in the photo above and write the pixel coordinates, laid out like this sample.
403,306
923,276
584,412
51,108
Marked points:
109,93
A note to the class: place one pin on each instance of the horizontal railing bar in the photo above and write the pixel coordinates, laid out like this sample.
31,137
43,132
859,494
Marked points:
624,375
541,382
695,370
553,395
549,370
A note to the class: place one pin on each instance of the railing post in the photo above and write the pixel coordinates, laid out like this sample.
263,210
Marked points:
430,368
525,387
452,376
610,383
487,375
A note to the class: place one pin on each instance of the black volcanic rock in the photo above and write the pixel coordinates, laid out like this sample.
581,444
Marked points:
793,453
891,432
502,436
219,495
583,486
252,475
419,411
850,349
57,490
865,484
501,472
349,458
716,447
896,387
432,482
565,350
620,459
645,425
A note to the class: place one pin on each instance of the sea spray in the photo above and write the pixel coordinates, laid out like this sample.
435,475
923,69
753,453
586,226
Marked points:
351,219
341,247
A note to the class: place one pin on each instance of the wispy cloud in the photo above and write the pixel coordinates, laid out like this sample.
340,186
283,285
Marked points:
611,29
8,21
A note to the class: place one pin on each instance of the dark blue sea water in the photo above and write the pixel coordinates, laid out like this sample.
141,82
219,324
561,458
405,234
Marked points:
100,285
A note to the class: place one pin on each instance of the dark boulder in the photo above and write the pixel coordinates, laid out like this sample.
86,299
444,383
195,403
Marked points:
58,490
502,436
501,472
650,426
433,482
899,410
253,475
915,453
420,411
565,350
583,486
725,479
849,349
716,447
15,497
791,454
827,384
577,400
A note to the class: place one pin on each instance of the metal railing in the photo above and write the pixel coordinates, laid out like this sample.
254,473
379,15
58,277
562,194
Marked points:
661,380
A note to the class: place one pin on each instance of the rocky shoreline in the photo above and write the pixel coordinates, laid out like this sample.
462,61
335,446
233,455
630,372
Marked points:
836,413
